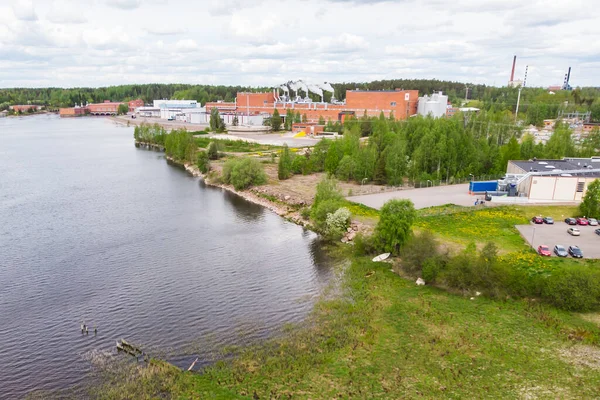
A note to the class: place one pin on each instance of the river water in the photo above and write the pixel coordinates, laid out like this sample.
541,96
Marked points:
93,229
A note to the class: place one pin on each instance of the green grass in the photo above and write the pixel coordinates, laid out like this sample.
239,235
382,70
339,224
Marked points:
488,223
360,210
385,337
235,146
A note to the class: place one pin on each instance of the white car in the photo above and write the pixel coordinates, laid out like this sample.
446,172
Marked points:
573,231
592,222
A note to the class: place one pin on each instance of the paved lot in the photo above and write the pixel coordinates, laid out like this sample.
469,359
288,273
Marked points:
274,139
422,198
551,235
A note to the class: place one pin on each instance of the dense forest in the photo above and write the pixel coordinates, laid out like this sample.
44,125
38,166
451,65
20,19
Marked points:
536,104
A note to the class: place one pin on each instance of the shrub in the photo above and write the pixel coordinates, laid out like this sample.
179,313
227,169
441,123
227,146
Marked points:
327,189
300,165
336,223
395,225
284,168
417,251
573,289
203,162
364,245
243,173
431,269
213,151
305,213
320,212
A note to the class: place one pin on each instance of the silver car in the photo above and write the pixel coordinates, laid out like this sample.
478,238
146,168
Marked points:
592,222
560,251
574,231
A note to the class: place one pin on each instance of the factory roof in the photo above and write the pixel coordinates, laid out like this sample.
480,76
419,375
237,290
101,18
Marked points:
561,166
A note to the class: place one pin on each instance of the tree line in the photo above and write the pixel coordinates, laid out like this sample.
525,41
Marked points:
536,104
392,152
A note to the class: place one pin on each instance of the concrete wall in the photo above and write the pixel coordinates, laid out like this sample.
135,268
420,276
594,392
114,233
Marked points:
542,188
557,188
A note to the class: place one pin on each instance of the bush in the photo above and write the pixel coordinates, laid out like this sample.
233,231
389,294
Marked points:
327,189
395,225
336,223
417,251
321,211
243,173
305,213
300,165
573,289
212,151
431,269
203,162
284,168
364,245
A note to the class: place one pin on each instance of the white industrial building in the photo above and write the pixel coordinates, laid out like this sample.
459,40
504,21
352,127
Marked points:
554,180
434,105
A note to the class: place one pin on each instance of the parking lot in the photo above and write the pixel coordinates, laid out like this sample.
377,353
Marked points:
551,235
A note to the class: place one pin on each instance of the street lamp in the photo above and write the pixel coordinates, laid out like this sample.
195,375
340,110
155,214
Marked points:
473,177
429,180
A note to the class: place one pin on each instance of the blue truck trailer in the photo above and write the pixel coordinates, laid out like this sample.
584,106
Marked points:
483,186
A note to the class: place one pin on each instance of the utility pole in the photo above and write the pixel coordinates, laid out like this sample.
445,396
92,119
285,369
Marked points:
466,93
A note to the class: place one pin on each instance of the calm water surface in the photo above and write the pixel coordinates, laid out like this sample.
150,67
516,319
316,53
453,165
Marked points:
93,229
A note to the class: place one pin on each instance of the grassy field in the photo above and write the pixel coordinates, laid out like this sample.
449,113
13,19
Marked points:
385,337
488,223
235,146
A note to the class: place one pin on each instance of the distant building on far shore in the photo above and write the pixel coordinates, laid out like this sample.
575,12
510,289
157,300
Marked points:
106,108
25,107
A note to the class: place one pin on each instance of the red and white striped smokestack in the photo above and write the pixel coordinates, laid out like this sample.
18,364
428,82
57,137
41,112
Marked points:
512,73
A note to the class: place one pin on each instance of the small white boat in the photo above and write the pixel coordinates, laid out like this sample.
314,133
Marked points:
381,257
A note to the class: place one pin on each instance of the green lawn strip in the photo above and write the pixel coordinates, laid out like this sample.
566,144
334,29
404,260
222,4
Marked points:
234,146
392,339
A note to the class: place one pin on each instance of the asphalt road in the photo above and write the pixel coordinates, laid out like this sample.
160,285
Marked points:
422,198
551,235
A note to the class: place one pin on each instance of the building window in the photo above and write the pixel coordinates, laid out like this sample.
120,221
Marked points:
393,104
264,102
580,187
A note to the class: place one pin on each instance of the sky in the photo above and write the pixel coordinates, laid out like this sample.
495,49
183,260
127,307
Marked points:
92,43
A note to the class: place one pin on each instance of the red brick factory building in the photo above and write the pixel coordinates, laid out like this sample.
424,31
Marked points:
401,103
106,108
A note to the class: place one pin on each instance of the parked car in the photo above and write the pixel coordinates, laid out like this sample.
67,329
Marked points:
592,222
575,252
597,232
574,232
549,220
571,221
560,251
543,250
582,221
537,220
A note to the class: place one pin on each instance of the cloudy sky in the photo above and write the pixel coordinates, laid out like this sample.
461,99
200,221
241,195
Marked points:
265,42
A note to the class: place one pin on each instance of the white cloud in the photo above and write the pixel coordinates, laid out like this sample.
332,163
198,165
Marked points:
124,4
186,45
62,12
264,42
23,10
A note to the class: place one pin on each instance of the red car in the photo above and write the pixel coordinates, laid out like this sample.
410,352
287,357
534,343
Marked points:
543,250
537,220
582,221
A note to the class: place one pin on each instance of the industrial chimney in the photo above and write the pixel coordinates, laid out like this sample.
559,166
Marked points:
512,73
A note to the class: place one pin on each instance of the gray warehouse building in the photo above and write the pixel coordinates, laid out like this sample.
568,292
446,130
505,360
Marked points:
554,180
